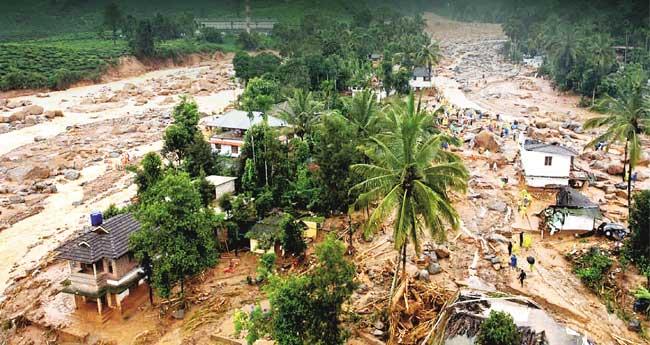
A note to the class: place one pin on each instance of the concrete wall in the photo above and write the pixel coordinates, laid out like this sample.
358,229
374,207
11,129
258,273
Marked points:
226,150
420,83
575,222
228,187
538,174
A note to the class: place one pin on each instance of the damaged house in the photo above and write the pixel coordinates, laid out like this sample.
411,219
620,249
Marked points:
547,165
103,273
461,322
572,212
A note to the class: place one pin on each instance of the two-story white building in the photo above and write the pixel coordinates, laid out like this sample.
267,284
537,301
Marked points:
421,78
546,164
229,129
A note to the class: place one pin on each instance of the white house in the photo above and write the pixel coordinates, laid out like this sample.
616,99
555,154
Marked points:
572,212
546,165
229,129
421,78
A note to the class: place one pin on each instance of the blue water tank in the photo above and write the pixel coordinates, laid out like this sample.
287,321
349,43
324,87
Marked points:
96,218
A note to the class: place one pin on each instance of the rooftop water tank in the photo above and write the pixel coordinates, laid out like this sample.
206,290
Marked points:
96,218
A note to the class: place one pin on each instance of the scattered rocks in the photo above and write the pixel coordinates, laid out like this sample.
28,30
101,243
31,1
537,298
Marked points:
179,314
18,116
634,325
16,199
424,275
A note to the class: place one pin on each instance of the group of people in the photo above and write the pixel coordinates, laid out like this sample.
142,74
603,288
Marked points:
513,259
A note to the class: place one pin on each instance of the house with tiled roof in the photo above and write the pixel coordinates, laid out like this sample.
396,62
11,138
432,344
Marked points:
102,270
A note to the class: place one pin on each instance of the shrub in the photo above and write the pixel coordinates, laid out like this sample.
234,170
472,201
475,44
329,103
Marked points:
592,267
498,329
265,267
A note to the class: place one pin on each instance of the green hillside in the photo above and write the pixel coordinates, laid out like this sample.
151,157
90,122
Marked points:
30,19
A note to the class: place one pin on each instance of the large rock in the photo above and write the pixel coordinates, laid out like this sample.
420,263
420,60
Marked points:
498,206
50,114
4,128
615,169
22,173
72,174
486,140
34,110
14,103
18,116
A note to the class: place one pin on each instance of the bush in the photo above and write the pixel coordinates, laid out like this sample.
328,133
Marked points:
592,268
265,266
498,329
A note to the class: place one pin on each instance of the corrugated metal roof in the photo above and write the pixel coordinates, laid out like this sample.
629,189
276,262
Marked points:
109,240
421,72
552,148
238,119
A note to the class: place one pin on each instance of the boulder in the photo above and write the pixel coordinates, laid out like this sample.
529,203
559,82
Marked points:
22,173
442,252
498,206
487,141
72,174
179,314
31,119
615,169
434,268
16,199
34,110
4,128
18,116
14,103
532,109
541,124
423,275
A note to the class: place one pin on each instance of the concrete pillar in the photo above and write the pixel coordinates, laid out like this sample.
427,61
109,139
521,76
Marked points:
75,302
99,305
95,270
119,303
109,298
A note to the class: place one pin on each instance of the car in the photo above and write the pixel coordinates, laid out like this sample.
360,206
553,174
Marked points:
613,231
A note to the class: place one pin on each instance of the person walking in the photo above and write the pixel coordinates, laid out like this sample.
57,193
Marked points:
531,262
513,261
522,276
509,248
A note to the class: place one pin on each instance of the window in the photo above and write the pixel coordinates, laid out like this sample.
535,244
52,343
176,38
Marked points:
234,150
110,267
548,161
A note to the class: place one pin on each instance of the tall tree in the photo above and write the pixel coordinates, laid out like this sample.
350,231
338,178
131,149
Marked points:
410,176
177,232
428,54
142,43
151,172
626,119
301,112
113,18
363,112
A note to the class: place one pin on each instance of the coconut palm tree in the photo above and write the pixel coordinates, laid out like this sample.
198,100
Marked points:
428,54
410,176
626,118
301,112
363,112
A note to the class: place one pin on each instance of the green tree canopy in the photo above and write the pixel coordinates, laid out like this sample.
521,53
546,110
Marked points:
113,18
498,329
177,232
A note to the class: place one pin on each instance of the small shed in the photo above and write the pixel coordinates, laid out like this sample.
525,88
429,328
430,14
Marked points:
263,234
572,212
222,185
312,225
